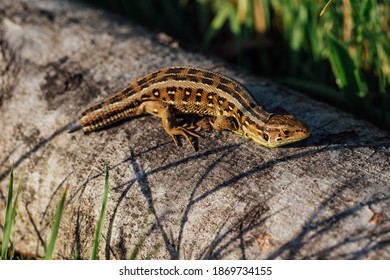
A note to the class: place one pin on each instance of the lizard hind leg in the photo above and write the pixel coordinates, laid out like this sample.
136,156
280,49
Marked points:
224,123
165,112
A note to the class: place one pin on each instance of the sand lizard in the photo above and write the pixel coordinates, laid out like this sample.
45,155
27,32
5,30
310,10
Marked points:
171,91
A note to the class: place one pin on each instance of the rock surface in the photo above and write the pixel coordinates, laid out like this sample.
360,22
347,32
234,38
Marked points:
327,197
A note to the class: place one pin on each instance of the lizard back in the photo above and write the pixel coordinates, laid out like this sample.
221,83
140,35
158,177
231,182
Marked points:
189,90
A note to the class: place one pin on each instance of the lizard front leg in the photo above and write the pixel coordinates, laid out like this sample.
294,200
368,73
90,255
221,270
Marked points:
165,112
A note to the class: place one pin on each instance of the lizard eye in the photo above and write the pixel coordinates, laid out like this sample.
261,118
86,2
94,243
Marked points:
265,136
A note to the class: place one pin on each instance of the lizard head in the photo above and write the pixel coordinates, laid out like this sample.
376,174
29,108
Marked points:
279,130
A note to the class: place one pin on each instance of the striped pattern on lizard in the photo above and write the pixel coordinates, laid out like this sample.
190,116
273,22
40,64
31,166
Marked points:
177,90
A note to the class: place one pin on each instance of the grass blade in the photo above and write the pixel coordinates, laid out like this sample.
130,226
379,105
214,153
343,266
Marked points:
99,226
137,248
8,221
15,208
217,23
348,75
56,225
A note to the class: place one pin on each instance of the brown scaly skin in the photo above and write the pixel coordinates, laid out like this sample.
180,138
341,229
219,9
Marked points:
190,90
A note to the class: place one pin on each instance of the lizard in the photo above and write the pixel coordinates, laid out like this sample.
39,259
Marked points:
177,90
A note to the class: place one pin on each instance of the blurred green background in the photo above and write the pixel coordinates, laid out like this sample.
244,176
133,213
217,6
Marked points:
336,51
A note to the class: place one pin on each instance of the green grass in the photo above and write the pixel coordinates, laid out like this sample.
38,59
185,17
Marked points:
340,46
7,250
99,226
9,220
10,214
49,249
11,211
135,253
